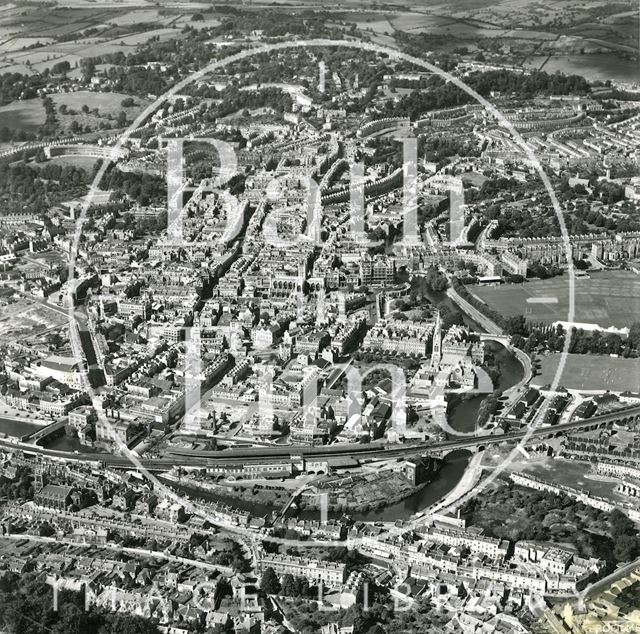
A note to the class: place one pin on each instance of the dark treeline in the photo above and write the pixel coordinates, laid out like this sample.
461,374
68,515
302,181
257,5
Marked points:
35,188
142,187
528,337
27,607
441,94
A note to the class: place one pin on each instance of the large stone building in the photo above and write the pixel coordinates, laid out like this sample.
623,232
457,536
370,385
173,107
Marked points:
54,496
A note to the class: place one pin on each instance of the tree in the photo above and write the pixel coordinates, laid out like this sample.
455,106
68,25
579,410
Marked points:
61,67
288,585
46,530
88,68
269,584
620,524
126,624
625,548
516,325
634,334
301,587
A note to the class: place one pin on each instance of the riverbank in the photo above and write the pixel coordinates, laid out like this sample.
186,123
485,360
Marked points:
458,495
313,502
348,493
462,412
12,414
451,471
14,427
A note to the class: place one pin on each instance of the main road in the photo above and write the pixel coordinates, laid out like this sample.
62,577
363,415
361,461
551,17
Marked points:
490,326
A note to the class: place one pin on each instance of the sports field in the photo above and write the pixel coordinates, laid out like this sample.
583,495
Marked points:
590,372
606,298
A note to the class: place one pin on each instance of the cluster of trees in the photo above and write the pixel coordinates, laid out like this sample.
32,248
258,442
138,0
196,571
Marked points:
137,80
521,222
26,607
528,86
20,487
17,86
231,555
440,147
530,336
276,24
234,100
489,406
140,186
493,186
543,271
517,513
607,191
434,280
50,125
61,68
442,94
625,536
380,616
16,134
36,188
384,151
491,367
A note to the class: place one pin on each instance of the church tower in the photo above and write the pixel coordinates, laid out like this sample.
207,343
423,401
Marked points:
436,346
38,475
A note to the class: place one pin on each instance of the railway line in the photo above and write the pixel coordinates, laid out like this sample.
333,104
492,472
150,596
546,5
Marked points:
363,452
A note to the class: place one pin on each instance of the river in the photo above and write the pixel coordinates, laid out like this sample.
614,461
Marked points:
462,416
17,428
447,477
463,412
440,298
593,66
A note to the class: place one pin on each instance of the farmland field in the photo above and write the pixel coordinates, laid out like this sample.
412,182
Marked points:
591,372
607,298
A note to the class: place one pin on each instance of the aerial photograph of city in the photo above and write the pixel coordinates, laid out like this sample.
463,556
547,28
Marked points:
319,317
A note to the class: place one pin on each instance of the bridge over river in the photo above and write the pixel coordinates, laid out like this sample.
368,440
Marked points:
361,452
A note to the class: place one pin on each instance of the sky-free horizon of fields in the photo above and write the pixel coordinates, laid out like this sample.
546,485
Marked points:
593,39
606,298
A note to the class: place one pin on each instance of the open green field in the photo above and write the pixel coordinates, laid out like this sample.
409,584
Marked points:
607,298
591,372
573,474
85,162
29,114
22,115
105,102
